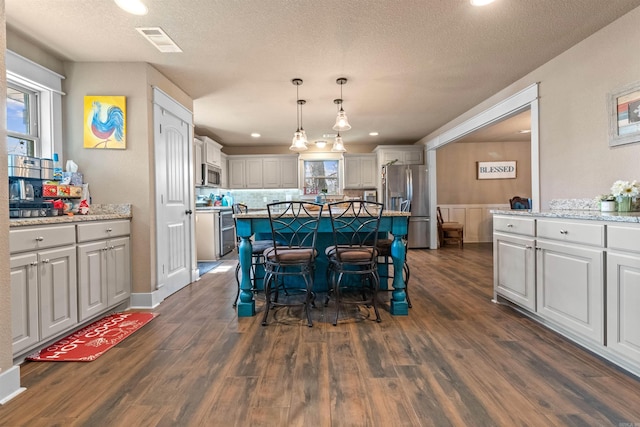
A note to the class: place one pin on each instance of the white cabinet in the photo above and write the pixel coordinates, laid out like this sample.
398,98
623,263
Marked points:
43,283
570,276
212,151
197,161
224,171
360,171
104,266
207,235
514,260
263,172
400,154
623,291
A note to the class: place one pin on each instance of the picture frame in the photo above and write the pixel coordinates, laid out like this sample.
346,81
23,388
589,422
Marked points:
624,115
105,122
496,170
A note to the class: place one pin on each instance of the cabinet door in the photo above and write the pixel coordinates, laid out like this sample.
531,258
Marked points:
236,173
58,291
212,152
570,287
197,161
623,300
352,172
92,279
368,172
414,157
289,172
24,301
118,271
271,173
253,171
514,265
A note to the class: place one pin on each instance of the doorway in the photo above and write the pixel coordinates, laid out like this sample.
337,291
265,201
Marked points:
527,99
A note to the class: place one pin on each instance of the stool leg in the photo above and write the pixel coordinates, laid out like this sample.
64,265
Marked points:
235,301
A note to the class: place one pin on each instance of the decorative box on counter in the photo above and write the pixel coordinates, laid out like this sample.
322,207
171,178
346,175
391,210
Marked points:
50,189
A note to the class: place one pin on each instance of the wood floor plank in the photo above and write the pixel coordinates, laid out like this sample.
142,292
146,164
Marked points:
456,359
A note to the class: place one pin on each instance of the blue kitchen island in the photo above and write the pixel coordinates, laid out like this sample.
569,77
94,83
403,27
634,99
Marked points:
257,223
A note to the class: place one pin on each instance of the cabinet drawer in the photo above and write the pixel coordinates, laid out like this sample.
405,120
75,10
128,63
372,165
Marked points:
103,230
512,224
623,238
29,239
574,232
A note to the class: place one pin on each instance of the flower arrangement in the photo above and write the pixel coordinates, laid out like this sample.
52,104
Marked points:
605,198
625,189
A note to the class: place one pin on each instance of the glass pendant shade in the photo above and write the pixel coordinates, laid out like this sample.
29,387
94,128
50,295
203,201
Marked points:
298,143
338,146
341,121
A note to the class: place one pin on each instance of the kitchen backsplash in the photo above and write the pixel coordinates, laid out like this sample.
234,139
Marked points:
257,199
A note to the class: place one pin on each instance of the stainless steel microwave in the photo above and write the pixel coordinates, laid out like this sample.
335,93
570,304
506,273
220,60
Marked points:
211,175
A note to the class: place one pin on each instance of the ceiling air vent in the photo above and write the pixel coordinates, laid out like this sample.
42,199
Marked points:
159,39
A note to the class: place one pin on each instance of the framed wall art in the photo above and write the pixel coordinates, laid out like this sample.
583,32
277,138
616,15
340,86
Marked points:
624,115
105,122
496,170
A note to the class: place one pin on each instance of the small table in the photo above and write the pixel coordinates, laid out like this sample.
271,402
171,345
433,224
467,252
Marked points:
250,223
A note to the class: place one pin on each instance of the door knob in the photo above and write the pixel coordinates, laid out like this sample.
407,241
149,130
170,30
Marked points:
188,212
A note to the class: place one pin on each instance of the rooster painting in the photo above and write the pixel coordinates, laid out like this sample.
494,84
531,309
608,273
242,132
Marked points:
104,122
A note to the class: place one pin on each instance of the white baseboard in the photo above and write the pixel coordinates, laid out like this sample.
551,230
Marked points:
10,384
147,300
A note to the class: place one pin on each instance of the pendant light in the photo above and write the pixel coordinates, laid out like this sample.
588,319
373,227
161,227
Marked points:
298,143
341,121
338,145
301,102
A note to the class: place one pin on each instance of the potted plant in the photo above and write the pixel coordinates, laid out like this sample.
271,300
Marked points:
607,202
625,192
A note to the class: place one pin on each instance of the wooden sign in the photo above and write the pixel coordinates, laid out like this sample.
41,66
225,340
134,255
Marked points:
496,170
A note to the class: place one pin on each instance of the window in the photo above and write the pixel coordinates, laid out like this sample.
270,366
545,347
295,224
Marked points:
320,175
34,108
22,121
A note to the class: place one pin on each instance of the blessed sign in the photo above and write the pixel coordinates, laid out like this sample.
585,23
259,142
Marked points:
496,170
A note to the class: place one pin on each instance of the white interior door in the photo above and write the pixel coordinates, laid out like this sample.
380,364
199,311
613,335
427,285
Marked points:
173,194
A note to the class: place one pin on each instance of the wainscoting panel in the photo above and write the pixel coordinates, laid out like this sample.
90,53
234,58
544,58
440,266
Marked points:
477,220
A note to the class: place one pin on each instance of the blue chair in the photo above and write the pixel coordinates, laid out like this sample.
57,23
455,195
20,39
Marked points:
520,203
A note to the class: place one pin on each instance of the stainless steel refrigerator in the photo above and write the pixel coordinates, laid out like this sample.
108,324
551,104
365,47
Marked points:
409,182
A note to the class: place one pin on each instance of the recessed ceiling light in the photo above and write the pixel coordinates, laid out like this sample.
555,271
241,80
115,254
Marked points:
481,2
373,134
525,131
135,7
256,135
321,143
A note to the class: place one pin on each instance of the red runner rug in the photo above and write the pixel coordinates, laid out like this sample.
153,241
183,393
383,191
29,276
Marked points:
91,342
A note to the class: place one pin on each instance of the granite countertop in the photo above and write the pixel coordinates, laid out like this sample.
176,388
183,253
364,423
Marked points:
212,208
97,212
593,215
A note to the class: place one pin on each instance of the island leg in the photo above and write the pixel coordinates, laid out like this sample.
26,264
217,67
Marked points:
399,305
247,305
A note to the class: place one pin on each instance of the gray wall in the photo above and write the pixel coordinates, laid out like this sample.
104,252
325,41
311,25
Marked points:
575,158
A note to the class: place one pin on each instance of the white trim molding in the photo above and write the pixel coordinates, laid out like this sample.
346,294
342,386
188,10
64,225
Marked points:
10,384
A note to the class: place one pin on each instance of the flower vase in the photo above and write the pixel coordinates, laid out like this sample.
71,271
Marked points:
624,204
608,206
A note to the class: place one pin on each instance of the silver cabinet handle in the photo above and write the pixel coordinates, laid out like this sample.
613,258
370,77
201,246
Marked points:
564,232
34,263
39,239
111,247
109,230
45,261
528,247
105,249
509,225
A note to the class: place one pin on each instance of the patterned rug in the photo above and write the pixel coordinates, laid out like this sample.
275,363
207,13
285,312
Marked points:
91,342
206,267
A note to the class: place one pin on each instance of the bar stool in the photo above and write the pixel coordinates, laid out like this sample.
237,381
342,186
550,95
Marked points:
384,252
257,259
294,226
355,227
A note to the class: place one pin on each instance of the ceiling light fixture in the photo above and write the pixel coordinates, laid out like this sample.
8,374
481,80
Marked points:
255,135
525,131
341,121
134,7
338,145
321,143
373,134
481,2
298,143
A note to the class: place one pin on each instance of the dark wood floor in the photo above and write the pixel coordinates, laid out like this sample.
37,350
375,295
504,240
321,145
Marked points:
456,360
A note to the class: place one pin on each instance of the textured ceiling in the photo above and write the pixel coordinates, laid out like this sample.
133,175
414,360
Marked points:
412,65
